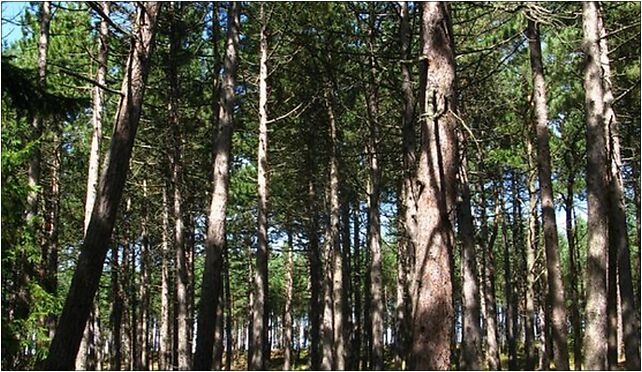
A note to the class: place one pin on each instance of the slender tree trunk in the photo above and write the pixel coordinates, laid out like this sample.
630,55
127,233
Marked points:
215,242
432,288
374,224
346,277
595,345
143,288
618,230
84,284
531,254
356,288
287,333
165,344
228,316
218,333
492,350
509,291
314,258
555,283
259,314
471,348
182,330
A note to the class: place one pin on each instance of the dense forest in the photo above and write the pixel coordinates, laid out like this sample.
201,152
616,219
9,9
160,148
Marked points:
321,185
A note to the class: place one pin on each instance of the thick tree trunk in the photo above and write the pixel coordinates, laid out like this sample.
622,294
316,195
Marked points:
218,333
554,272
84,284
215,242
595,345
618,230
165,344
258,360
432,288
471,348
287,317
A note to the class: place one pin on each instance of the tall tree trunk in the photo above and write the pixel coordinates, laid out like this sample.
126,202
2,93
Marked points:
618,230
433,309
215,242
471,348
228,315
84,284
287,317
374,194
116,311
143,312
596,291
182,330
218,333
260,314
408,191
554,272
165,344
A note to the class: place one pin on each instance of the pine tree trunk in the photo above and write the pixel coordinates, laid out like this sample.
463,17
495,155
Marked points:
374,194
555,283
595,345
618,230
84,284
492,338
165,343
471,348
356,289
314,258
509,294
215,240
228,315
433,309
218,333
287,318
258,360
531,254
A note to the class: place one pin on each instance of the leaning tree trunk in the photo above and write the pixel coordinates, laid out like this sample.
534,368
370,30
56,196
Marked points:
596,292
84,284
618,230
437,171
258,360
553,268
215,240
94,153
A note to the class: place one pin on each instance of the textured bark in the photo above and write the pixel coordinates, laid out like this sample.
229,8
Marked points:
436,174
287,316
215,241
471,347
218,334
596,291
142,362
165,344
346,249
554,272
84,284
619,251
258,360
314,259
228,314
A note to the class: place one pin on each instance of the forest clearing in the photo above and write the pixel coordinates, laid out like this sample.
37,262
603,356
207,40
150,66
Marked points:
321,185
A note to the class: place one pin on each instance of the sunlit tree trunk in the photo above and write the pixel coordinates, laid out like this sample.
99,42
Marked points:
215,240
84,284
595,344
432,288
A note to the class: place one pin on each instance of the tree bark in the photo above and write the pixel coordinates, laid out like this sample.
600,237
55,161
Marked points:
555,283
84,284
531,254
618,229
492,350
436,175
228,315
258,360
356,288
596,290
314,258
509,291
215,242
